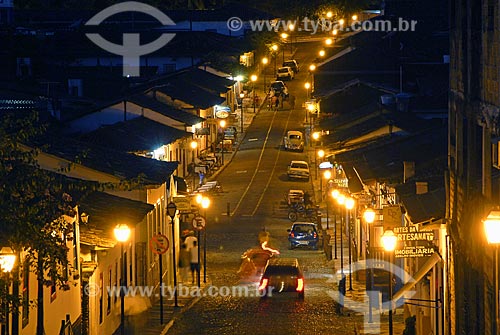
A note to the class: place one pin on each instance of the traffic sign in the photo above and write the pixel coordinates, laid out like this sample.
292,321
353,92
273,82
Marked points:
199,222
159,244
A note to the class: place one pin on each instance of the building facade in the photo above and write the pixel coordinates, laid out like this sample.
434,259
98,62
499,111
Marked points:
474,102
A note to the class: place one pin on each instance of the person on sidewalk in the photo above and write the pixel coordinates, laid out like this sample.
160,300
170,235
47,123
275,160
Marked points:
184,262
190,239
195,261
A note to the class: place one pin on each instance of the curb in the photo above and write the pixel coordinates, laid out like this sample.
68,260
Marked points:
184,309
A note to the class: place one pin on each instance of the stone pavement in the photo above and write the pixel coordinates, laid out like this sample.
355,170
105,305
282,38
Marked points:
148,323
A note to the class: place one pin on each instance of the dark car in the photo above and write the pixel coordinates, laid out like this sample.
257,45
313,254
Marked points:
303,234
279,87
282,275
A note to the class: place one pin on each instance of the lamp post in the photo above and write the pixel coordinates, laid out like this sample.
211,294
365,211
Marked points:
327,175
369,217
205,203
171,212
7,262
122,234
492,232
312,68
284,36
291,28
193,145
242,96
222,124
274,49
264,63
320,155
253,78
335,194
349,204
307,87
341,201
389,241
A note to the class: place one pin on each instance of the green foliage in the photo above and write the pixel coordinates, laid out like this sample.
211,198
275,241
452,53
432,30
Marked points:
34,202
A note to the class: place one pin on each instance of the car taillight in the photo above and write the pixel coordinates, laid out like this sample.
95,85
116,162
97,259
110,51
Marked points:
300,285
292,234
263,284
314,235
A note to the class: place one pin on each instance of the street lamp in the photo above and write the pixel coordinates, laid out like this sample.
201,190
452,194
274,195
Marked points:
354,17
329,14
264,63
274,49
122,234
7,262
171,211
253,78
205,203
242,96
321,53
291,28
349,204
284,36
327,175
341,201
492,231
222,125
389,241
320,153
312,67
328,41
307,86
369,217
335,193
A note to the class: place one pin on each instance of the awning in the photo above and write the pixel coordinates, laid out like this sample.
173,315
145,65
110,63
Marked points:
429,264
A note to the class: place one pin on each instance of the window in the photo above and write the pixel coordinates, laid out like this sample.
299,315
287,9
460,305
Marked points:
110,276
101,299
495,154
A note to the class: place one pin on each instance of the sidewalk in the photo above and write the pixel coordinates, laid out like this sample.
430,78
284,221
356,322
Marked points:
148,323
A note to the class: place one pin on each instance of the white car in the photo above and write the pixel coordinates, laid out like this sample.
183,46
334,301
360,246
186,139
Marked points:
294,140
284,72
298,170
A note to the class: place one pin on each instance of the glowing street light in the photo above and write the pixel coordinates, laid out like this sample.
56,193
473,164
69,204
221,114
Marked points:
328,41
122,234
312,67
307,86
389,241
492,232
341,22
335,32
322,53
354,17
222,125
329,14
253,78
264,63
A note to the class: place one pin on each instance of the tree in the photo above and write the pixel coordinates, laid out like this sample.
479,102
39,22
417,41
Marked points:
33,205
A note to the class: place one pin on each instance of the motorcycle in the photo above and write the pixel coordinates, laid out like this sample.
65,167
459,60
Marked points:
299,210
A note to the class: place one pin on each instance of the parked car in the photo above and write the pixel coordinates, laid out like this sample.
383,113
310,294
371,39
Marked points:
294,140
293,64
303,234
298,170
282,275
279,87
284,73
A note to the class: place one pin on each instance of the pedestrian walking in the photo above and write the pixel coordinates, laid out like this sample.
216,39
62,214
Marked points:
274,102
195,261
184,262
190,239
